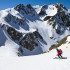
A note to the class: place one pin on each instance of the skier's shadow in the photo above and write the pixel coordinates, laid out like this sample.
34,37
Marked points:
60,58
64,58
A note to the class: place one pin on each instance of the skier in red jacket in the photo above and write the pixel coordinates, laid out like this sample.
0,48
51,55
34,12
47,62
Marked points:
59,53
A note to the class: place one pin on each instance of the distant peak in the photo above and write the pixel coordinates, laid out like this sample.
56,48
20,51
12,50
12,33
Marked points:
61,5
29,5
19,7
44,6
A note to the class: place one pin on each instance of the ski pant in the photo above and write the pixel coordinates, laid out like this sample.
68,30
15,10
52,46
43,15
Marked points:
60,56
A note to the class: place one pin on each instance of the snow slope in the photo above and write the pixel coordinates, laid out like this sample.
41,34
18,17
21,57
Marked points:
38,62
9,47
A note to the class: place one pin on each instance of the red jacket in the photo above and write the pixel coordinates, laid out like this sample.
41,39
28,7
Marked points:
59,52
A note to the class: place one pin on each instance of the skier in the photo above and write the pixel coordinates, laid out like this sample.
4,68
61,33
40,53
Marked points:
59,53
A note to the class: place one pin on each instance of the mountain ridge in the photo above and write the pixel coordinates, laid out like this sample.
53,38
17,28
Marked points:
34,29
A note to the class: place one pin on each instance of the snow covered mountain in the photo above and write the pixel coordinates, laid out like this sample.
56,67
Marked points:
31,30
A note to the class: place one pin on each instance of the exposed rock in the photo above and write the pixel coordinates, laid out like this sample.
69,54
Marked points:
41,13
18,21
20,51
65,19
30,40
29,6
51,37
59,5
63,6
54,24
13,33
46,18
58,31
69,28
28,9
8,18
44,6
15,19
19,7
2,25
62,14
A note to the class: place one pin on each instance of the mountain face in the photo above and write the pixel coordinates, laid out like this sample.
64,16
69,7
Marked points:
34,28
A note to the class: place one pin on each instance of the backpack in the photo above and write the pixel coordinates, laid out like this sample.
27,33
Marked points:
60,51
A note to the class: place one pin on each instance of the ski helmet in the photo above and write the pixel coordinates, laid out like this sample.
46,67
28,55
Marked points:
56,48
